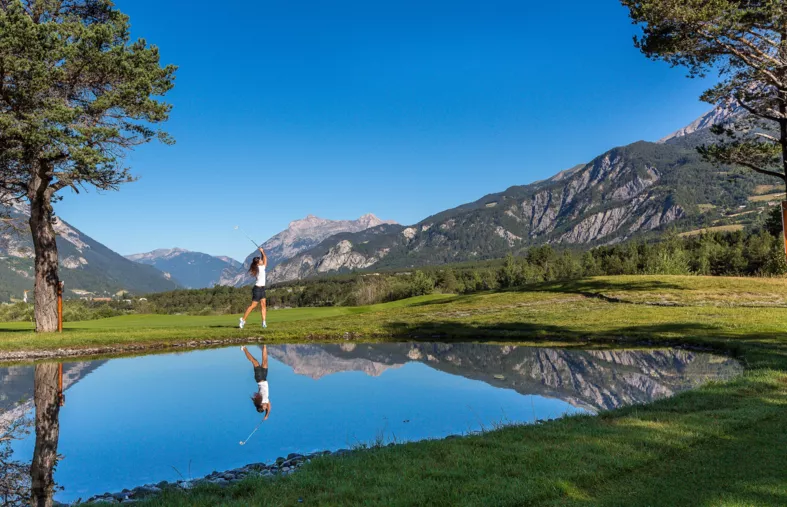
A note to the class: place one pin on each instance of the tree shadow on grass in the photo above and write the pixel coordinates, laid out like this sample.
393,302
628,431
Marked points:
586,287
595,289
595,286
449,300
16,330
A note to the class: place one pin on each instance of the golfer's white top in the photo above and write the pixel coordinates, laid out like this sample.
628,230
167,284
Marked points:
263,387
260,276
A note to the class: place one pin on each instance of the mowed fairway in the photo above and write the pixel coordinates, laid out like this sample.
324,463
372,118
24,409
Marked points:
213,321
724,444
155,330
690,309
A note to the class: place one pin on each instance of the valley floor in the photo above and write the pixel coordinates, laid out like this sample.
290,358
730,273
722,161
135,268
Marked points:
723,444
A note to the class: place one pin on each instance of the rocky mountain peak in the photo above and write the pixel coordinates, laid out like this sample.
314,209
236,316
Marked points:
364,222
302,235
307,222
370,220
719,114
161,253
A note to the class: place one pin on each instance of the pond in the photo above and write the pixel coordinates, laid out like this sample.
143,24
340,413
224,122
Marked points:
131,421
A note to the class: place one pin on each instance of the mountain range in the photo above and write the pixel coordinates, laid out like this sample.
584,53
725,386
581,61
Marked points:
86,266
193,270
638,190
198,270
630,191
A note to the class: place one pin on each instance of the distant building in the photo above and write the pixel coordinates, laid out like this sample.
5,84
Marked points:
102,300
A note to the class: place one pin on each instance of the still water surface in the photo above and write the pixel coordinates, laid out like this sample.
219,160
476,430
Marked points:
128,422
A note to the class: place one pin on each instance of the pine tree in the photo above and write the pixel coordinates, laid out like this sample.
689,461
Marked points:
76,94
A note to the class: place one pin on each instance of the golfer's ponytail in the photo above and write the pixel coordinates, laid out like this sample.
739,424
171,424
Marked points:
257,400
254,269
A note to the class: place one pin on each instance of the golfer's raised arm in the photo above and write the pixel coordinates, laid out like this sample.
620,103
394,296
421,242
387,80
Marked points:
268,412
264,257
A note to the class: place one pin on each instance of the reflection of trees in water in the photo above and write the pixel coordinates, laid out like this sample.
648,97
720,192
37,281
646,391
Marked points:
33,483
14,475
47,400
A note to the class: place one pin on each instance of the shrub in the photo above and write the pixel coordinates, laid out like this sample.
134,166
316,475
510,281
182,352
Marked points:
421,284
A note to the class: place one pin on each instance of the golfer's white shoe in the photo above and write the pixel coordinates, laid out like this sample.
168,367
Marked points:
242,323
264,325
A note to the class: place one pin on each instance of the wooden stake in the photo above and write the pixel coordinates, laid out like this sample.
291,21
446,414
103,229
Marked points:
60,396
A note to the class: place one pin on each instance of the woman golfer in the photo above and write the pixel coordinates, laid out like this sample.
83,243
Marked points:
260,398
257,270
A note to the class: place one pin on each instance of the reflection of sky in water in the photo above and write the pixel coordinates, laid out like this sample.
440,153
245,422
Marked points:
132,420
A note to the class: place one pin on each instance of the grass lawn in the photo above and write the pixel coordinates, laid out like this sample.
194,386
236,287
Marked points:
723,444
137,331
690,309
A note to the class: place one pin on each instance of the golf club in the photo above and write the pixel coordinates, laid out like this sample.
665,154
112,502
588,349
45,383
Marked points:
243,442
238,228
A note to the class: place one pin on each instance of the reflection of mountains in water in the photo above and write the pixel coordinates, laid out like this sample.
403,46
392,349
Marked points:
593,380
17,386
317,361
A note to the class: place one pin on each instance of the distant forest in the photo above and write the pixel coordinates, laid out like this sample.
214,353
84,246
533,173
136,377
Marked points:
742,253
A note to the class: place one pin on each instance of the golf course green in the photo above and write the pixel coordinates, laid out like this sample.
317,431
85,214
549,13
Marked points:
722,444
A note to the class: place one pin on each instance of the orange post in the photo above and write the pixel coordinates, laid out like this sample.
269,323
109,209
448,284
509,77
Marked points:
60,307
61,397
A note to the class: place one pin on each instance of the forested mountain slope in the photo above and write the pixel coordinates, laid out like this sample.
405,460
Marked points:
86,265
630,191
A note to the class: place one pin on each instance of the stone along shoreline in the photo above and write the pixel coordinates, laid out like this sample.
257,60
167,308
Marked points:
281,467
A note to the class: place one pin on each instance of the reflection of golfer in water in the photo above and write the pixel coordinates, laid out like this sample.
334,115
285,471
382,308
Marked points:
260,398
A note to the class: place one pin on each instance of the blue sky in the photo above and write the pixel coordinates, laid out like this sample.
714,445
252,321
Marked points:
402,109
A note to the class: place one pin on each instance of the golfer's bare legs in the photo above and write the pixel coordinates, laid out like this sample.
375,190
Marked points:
264,309
249,309
251,358
264,356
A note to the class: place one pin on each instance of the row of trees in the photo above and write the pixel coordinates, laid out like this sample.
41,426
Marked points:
722,254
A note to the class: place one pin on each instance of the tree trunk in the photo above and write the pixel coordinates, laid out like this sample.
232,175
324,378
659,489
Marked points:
783,132
782,95
46,265
47,433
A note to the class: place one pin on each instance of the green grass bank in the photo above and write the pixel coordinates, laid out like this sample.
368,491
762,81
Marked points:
693,310
723,444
